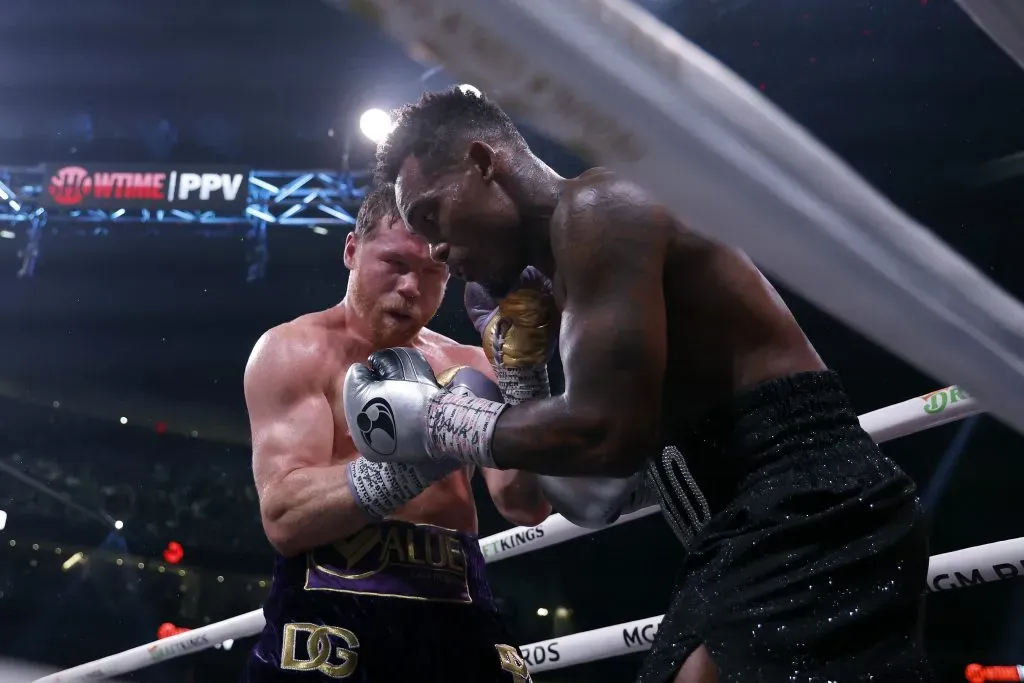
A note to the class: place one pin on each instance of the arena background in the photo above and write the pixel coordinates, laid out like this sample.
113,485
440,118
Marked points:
153,321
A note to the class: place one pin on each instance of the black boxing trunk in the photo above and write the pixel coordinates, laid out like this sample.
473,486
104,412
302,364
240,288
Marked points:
811,562
394,603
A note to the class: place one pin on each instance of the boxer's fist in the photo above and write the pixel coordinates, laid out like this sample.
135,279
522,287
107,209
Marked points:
386,405
592,502
521,330
465,379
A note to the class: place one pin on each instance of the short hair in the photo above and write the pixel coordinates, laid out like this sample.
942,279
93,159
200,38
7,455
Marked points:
378,205
431,129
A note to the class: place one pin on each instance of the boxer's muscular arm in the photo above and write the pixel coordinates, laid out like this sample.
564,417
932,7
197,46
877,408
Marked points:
304,498
516,495
609,246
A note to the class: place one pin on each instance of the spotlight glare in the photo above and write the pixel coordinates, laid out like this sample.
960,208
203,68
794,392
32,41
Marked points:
124,420
542,611
376,125
468,89
118,525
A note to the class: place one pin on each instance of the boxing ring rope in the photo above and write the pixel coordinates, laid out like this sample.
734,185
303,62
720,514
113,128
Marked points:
1003,21
948,571
623,90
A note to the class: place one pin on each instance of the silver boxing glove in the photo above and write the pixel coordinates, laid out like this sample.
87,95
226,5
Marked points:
397,411
596,502
386,405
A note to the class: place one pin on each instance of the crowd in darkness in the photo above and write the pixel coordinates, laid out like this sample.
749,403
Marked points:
60,475
163,487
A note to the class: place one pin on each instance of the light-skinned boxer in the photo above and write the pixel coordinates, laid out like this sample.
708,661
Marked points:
378,576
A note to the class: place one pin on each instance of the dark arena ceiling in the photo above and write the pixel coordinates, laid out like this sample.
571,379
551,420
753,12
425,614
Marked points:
153,322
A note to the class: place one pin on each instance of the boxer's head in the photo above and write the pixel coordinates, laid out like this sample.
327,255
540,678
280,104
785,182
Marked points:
459,164
394,286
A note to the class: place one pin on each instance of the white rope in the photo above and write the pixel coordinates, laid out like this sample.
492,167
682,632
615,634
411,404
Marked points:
918,414
1002,20
901,419
614,84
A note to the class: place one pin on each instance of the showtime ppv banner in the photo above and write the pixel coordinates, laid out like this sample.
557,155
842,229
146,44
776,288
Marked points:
120,186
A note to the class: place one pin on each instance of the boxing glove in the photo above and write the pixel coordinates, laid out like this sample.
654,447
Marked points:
386,405
397,412
466,380
519,334
380,488
596,502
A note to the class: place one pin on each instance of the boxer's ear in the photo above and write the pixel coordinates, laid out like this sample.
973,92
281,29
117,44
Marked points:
484,159
350,250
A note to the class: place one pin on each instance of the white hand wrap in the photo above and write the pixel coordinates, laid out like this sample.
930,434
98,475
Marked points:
460,426
380,488
521,384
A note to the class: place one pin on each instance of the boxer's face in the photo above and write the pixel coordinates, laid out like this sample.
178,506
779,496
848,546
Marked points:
394,284
468,219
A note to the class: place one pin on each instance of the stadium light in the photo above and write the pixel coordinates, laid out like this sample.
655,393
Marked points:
375,124
73,560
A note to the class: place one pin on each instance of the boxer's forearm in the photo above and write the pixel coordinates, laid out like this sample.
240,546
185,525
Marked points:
552,436
309,507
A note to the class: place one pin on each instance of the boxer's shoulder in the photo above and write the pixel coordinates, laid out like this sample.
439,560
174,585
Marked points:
600,185
305,346
598,197
295,338
602,217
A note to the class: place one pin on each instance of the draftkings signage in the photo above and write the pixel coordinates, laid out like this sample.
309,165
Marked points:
119,186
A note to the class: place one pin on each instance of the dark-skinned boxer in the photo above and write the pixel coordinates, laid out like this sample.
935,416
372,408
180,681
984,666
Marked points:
808,558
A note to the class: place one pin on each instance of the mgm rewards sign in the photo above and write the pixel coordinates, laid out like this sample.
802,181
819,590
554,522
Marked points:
109,186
